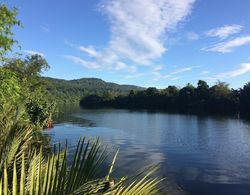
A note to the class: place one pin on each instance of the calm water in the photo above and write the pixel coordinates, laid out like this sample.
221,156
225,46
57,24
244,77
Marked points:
198,155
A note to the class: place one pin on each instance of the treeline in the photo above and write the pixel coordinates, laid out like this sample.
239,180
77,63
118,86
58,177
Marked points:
71,91
203,98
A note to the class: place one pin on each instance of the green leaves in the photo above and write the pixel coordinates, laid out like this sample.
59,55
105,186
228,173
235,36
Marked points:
21,85
7,21
50,175
9,87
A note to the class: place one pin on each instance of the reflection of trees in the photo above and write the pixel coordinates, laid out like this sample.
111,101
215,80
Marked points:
67,114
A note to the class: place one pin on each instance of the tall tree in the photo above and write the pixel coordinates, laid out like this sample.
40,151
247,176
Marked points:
186,96
8,19
245,97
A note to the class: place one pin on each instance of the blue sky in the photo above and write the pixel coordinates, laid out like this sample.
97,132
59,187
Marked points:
142,42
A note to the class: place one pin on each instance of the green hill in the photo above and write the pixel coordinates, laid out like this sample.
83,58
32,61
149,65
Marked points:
71,91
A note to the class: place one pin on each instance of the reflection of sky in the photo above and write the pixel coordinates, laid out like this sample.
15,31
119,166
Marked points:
190,148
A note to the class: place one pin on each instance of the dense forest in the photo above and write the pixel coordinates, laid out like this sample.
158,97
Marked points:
71,91
203,98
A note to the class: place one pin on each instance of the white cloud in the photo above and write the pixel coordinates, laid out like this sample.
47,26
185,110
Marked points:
139,29
192,36
119,66
230,45
175,78
45,28
122,66
224,31
31,52
205,72
90,50
138,26
138,75
185,69
80,61
243,69
158,76
157,68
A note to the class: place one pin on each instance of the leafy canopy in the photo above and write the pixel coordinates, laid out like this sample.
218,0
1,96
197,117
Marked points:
7,21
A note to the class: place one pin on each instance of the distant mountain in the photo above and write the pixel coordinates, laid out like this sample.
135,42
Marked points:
70,91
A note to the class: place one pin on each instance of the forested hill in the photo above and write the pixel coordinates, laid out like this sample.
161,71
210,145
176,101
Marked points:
70,91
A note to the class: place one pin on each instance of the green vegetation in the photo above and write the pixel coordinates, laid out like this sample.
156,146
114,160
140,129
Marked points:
50,174
7,21
218,98
21,83
63,91
27,163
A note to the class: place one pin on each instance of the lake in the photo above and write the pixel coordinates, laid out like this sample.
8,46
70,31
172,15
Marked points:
198,154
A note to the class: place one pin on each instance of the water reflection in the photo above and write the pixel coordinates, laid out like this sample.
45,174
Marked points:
201,154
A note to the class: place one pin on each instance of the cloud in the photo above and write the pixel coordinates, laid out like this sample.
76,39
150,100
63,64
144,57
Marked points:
122,66
139,30
181,70
157,68
224,31
45,28
192,36
243,69
158,76
90,50
175,78
118,66
80,61
138,26
31,52
230,45
138,75
205,72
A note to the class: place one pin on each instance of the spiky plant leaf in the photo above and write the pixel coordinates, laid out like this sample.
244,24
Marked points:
50,175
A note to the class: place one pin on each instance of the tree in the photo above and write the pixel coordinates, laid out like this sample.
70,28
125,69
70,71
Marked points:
7,21
220,97
10,89
202,90
28,73
220,90
151,91
172,90
131,93
186,96
245,97
201,94
30,68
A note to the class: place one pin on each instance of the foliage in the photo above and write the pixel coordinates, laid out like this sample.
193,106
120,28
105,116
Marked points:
30,87
218,98
244,97
51,174
10,89
7,21
17,136
63,91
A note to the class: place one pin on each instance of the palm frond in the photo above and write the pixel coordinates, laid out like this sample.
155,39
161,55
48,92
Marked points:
50,175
